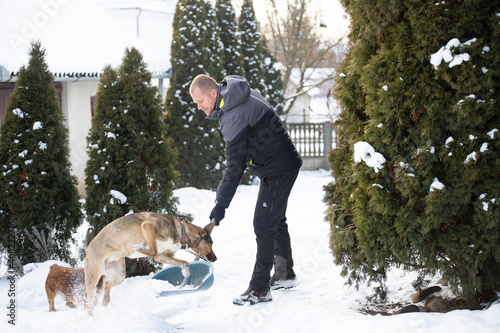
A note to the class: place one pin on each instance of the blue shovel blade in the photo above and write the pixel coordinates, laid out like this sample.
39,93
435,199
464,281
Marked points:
202,278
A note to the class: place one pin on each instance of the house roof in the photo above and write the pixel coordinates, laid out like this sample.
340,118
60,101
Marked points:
318,82
83,36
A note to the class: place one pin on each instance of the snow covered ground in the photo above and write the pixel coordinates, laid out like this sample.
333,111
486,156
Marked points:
320,304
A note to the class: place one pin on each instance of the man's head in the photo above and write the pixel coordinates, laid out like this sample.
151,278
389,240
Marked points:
203,91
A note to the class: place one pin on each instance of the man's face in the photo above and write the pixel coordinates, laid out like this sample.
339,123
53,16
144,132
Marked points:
205,102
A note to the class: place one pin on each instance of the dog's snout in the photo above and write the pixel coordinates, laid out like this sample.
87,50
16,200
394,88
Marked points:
211,257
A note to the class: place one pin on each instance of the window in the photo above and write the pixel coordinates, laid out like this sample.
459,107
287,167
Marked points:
7,88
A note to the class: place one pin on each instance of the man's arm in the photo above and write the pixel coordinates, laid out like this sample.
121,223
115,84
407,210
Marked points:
236,155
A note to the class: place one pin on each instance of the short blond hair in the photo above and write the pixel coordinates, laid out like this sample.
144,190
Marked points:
204,82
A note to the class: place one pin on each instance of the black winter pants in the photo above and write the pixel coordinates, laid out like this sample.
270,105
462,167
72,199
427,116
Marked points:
271,231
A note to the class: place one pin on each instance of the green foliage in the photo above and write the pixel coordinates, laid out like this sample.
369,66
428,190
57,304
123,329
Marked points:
196,49
253,58
272,80
259,66
434,124
38,191
226,22
131,164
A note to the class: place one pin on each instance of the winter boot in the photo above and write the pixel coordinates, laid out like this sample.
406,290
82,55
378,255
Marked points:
253,297
284,276
277,283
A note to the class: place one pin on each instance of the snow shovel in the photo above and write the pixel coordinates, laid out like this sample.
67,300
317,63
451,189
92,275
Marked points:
202,278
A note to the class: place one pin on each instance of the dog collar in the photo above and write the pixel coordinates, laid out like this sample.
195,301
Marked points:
184,237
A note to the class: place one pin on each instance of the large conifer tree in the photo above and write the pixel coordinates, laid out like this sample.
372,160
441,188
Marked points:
196,49
260,67
131,166
416,165
272,80
38,196
253,59
228,30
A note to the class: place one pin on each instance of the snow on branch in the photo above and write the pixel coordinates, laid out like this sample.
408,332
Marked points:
445,54
363,151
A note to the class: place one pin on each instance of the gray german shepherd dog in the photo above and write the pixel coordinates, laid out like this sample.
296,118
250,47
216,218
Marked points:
137,235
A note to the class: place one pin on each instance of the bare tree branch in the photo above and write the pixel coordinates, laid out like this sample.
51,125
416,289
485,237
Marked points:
294,39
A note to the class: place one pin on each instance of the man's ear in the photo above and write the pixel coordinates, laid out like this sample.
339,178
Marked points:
213,92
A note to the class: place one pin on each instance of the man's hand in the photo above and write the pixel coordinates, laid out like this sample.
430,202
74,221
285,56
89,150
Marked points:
217,214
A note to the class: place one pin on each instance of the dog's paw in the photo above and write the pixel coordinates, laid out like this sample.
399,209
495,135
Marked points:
186,272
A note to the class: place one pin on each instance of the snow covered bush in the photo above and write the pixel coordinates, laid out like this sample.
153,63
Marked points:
37,190
131,165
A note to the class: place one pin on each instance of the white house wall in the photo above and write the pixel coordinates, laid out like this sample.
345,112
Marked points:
76,97
299,113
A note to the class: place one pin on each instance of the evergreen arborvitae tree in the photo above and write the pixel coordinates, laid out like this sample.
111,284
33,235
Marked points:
253,60
215,57
131,166
272,80
196,49
419,86
228,26
39,196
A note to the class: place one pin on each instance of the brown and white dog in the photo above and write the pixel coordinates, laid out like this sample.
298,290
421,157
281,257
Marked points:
138,235
70,282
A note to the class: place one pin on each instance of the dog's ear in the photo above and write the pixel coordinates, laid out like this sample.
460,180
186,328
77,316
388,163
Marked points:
208,228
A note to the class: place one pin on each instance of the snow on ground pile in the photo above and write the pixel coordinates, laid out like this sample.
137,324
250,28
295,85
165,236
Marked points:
321,303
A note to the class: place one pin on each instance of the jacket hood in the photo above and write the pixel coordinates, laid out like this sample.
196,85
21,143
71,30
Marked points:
233,91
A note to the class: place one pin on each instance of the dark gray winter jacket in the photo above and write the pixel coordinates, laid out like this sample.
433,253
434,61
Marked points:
254,134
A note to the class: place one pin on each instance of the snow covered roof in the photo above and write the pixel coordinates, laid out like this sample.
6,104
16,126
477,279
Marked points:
313,77
83,36
318,82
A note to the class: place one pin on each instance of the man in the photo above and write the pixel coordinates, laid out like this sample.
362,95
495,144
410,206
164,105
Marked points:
255,138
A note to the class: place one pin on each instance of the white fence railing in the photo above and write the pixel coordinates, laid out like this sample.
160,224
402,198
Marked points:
314,141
